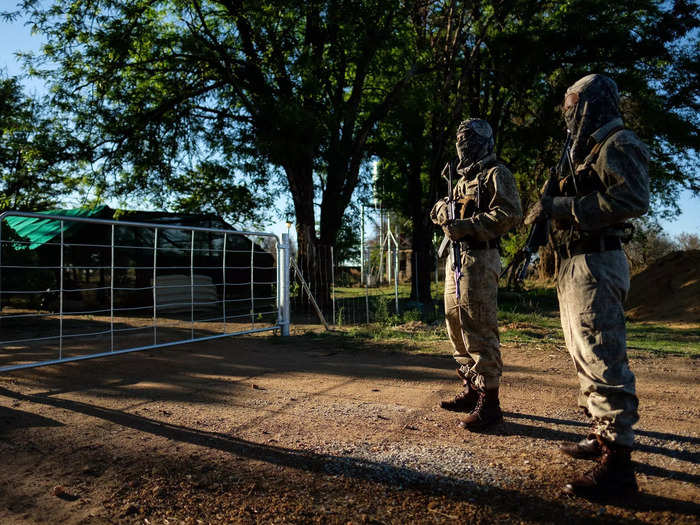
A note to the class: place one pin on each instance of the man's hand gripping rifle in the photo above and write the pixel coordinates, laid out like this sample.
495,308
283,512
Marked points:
539,232
456,248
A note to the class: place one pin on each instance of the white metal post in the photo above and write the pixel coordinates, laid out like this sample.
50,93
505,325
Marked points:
285,317
362,244
60,287
278,282
396,274
388,248
111,294
252,283
380,275
155,277
192,286
223,271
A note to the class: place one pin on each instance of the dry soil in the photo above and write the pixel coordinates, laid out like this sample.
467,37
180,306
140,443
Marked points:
258,429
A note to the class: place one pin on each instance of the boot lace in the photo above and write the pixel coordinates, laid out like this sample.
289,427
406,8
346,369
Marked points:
462,395
479,404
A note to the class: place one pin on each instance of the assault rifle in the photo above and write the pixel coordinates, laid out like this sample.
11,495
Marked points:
539,231
456,249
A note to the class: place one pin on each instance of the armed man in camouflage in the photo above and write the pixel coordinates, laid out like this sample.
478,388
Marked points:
608,186
487,206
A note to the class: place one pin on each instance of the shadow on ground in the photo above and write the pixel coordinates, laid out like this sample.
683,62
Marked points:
356,468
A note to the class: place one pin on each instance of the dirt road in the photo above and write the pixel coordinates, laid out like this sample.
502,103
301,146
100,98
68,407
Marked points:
257,429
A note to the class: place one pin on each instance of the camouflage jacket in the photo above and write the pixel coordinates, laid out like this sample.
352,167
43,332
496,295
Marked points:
612,186
489,204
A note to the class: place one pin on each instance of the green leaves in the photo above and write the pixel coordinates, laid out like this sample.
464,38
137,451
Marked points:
37,152
172,97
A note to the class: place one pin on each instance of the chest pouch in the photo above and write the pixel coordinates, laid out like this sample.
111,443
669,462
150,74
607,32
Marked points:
467,207
469,200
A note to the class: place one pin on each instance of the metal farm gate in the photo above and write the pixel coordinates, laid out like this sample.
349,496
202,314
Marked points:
75,287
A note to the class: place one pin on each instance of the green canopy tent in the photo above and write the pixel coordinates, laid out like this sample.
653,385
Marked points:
37,232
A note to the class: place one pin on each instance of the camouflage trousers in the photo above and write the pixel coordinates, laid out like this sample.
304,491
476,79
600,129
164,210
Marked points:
591,289
472,321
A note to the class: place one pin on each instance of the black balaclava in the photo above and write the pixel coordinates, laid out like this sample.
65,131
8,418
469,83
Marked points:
597,104
474,142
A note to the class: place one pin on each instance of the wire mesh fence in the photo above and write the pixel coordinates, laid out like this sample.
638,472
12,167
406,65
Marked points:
376,288
73,288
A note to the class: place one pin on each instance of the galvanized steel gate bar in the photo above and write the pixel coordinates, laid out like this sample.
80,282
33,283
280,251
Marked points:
281,287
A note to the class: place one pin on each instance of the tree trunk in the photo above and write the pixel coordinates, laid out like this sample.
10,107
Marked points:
314,261
423,258
313,256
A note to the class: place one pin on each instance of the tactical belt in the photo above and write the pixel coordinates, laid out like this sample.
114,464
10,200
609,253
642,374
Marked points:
590,245
480,245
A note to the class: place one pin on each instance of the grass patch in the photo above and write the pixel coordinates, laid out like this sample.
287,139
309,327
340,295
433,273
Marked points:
526,317
663,339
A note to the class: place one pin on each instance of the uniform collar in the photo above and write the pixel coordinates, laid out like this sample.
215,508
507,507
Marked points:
478,165
603,131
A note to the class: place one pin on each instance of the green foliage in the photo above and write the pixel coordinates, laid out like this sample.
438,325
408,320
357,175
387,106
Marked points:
184,101
211,105
210,188
381,309
412,315
37,153
340,316
511,63
347,241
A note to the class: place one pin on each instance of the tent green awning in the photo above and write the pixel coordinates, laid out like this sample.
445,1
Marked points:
39,231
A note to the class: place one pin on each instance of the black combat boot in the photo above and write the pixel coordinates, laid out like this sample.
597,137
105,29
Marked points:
587,448
486,413
612,476
466,400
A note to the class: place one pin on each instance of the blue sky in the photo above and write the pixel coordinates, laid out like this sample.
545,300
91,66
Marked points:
16,36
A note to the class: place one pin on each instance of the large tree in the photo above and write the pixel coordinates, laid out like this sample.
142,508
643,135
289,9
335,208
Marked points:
510,63
170,91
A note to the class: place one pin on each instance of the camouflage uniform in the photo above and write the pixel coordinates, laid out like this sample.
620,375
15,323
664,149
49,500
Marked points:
610,186
472,321
488,206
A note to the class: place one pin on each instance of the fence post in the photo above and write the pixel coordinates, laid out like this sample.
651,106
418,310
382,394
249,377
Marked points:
285,316
192,286
252,282
155,288
388,248
362,244
60,322
223,281
111,291
396,274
